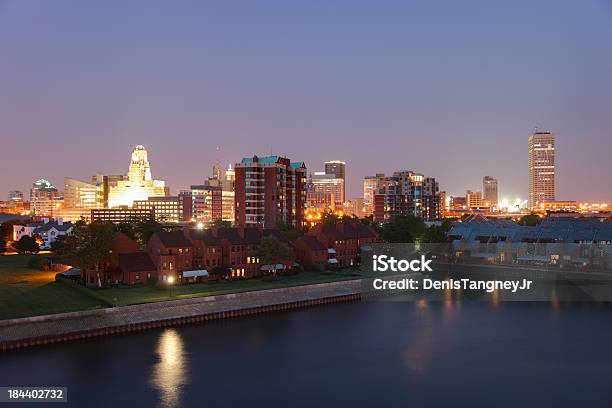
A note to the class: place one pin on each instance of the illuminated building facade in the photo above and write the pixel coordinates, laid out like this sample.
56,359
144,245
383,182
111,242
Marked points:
45,199
139,184
406,193
370,185
338,169
489,188
270,189
474,199
541,168
324,191
80,197
122,214
166,208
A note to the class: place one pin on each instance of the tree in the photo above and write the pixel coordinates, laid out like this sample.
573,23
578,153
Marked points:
530,220
438,233
222,224
89,246
27,245
144,230
403,228
289,231
271,252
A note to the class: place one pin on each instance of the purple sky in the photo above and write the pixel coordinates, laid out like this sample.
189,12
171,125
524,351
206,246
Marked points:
451,89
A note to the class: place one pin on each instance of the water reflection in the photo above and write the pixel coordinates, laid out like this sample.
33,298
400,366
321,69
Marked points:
170,371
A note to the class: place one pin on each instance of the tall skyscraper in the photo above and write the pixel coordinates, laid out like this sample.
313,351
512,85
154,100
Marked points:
270,189
370,185
338,169
217,171
541,168
139,184
489,188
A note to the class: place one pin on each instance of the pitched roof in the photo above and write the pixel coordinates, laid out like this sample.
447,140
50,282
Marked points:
136,262
312,242
173,239
52,224
348,230
204,235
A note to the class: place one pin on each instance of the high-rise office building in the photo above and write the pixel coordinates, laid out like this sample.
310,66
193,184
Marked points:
139,184
370,184
324,191
489,188
45,199
541,168
338,169
80,197
270,189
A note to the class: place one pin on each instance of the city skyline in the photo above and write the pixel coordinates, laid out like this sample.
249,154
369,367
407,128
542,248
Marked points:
423,92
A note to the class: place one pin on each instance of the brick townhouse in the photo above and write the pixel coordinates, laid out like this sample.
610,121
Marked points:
344,242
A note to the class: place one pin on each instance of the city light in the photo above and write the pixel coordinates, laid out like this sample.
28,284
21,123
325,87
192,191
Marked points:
171,280
200,225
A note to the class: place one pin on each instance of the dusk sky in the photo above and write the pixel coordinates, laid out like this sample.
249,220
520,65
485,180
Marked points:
451,89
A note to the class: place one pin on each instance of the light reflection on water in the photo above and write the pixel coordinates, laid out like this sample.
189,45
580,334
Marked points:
170,372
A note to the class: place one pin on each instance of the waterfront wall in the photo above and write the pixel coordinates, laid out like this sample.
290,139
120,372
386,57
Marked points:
49,329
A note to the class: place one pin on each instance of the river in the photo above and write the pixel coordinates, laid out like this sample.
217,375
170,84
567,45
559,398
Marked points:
378,353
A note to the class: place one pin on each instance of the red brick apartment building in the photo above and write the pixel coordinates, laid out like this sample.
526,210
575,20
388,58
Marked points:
343,241
270,189
172,253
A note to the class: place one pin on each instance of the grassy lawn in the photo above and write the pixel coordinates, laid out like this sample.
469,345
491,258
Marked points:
29,292
145,294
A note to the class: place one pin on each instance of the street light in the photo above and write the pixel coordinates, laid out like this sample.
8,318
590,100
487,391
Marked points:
171,283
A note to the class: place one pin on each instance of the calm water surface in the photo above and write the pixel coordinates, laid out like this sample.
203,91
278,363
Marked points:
468,353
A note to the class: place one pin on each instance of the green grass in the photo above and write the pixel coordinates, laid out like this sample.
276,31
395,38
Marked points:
29,292
145,294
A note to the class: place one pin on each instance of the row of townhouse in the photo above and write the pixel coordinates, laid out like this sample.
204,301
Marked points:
339,244
193,255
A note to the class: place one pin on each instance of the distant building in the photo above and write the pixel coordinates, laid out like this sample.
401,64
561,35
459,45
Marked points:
15,195
268,190
166,209
139,184
489,188
474,199
45,199
122,214
354,208
541,168
370,185
405,193
80,197
458,203
47,229
324,191
338,169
